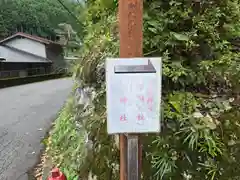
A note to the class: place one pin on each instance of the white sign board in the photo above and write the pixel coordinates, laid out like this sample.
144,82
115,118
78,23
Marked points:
133,95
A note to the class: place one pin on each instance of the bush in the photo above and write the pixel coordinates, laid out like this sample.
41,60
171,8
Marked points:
200,127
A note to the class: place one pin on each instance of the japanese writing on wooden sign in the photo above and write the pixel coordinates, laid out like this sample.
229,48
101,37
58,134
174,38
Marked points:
133,95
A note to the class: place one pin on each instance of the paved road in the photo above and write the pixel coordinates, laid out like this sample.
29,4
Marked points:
26,114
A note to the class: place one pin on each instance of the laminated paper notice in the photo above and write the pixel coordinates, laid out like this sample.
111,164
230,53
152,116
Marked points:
133,95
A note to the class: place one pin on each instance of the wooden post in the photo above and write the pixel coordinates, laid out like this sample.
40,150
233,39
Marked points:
131,40
130,26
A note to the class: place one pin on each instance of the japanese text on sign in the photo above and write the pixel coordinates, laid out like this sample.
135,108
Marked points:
133,99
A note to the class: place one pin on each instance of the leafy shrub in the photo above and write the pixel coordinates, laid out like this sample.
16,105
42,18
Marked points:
200,128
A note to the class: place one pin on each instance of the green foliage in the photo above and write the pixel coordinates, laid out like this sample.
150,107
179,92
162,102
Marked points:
200,125
68,37
34,16
70,175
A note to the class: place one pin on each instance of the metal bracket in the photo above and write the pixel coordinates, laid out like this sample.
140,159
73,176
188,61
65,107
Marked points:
132,156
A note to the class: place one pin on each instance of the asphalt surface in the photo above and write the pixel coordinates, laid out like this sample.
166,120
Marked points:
26,114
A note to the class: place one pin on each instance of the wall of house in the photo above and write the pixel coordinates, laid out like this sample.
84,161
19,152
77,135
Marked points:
28,45
55,54
20,69
12,55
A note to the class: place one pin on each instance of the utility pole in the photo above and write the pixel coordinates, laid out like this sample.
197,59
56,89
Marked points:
131,45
